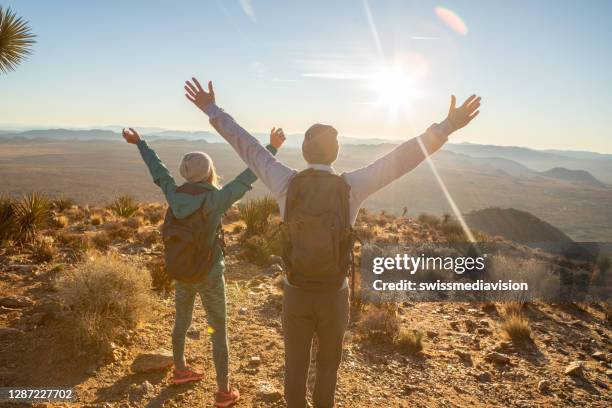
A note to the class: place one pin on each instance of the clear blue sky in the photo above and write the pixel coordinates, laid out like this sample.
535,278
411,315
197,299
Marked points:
543,68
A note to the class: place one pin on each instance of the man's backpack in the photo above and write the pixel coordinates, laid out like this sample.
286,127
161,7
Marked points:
188,257
318,238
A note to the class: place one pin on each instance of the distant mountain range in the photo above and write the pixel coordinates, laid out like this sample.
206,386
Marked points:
583,168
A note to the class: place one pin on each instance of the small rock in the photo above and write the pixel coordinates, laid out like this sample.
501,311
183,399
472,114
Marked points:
544,386
156,361
267,393
454,325
255,361
497,358
599,355
242,311
464,355
15,302
575,369
138,392
484,376
469,325
274,269
193,333
431,334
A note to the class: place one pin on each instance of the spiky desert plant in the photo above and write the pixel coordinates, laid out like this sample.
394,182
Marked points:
31,214
63,203
124,206
255,214
7,218
16,40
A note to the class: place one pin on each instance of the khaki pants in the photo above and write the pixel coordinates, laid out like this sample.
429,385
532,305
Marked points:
306,314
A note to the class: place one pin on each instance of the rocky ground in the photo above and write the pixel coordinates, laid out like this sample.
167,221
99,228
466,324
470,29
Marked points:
466,360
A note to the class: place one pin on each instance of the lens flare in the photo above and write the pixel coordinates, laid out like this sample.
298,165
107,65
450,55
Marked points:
451,20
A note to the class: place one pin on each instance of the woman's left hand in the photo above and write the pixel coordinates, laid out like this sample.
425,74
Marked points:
277,137
131,136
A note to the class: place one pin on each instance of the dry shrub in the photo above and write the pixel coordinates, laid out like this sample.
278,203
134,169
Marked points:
155,213
237,229
116,230
516,327
379,323
96,219
101,240
72,241
161,281
105,296
149,238
133,222
43,250
60,221
231,215
410,341
7,218
259,248
429,220
608,311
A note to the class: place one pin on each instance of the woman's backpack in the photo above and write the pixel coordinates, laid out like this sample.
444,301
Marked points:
188,257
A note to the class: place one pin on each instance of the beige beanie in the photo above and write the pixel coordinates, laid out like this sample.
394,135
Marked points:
195,167
320,144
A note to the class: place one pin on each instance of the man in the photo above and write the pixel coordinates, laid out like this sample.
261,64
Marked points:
315,302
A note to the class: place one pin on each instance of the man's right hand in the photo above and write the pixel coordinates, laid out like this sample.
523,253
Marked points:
197,95
461,116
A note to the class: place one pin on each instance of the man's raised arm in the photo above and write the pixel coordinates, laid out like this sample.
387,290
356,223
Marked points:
405,157
273,174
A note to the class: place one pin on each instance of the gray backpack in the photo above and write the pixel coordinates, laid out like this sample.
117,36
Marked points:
317,235
188,257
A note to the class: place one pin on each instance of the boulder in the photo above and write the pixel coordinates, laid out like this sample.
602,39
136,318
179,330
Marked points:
15,301
575,369
156,361
497,358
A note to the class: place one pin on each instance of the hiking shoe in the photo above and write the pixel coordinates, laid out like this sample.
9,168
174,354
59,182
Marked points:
186,375
226,399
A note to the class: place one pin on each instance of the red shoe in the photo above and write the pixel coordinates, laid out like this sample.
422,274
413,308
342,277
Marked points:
186,375
226,399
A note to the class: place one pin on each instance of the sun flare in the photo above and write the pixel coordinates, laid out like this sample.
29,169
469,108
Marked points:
395,87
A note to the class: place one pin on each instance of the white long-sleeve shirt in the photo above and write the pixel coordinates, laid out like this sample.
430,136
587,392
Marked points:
363,182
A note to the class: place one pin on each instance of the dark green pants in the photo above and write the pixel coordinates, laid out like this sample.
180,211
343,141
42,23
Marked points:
306,314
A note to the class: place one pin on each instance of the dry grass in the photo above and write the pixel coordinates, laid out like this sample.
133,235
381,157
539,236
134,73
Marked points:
255,214
104,295
124,206
43,250
155,213
101,240
149,238
72,241
410,341
379,323
160,279
62,203
134,222
516,327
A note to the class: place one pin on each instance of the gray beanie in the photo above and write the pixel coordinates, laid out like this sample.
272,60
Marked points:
320,144
195,167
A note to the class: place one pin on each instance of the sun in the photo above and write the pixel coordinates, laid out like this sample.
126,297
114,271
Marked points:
395,87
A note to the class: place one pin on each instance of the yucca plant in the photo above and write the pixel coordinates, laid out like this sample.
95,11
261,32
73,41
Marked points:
63,203
7,218
16,40
124,206
255,214
31,213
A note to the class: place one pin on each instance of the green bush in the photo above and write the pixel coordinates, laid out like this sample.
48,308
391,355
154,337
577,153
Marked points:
255,214
124,206
31,214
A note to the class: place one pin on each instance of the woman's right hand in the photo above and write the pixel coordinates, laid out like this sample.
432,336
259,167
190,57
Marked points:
277,137
131,136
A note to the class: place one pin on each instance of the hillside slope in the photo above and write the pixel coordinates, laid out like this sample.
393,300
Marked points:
454,370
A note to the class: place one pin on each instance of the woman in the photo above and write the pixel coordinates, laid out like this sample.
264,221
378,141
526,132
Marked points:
198,170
